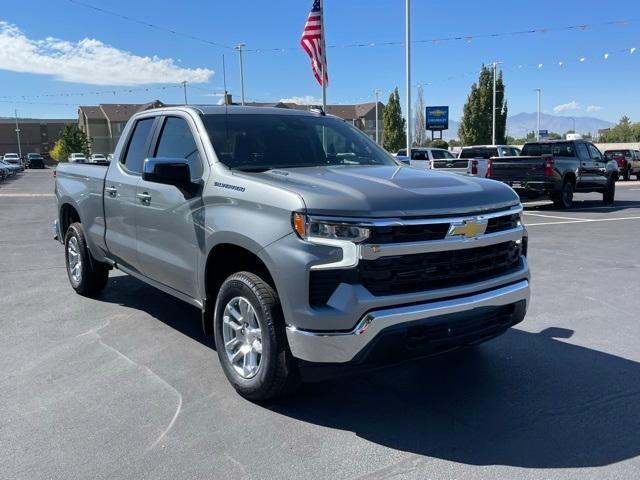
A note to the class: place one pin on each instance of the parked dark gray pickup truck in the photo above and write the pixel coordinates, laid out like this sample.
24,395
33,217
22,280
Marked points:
557,169
300,239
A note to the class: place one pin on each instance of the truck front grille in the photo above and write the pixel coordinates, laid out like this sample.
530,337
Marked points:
432,231
434,270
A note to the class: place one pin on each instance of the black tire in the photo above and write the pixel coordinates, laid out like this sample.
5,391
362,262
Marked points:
277,372
626,174
564,198
609,195
93,275
638,176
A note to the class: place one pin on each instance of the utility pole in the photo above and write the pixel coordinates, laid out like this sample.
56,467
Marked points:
239,48
538,120
574,124
184,88
377,92
408,71
224,79
15,112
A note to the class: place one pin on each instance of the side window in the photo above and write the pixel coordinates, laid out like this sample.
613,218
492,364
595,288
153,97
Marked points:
583,152
419,155
595,153
176,141
137,148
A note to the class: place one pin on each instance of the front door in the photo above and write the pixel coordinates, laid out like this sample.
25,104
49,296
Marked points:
169,226
586,166
120,190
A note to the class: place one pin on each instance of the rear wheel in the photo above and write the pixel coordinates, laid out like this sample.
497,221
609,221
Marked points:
251,340
638,175
609,195
564,198
86,275
626,174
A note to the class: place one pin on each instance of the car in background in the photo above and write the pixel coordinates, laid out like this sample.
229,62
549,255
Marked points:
5,171
628,161
11,167
97,158
35,160
77,158
478,156
424,157
13,159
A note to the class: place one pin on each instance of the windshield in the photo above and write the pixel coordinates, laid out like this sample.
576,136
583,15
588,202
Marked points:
257,142
559,149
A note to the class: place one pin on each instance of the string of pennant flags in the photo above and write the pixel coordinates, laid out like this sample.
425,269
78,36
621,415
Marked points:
216,91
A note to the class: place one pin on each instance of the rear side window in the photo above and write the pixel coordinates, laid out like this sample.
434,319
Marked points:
138,145
419,155
176,141
583,152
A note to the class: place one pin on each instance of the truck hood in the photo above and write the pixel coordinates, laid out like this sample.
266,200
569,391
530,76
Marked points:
388,191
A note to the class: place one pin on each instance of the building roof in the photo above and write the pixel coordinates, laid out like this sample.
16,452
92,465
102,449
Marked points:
117,112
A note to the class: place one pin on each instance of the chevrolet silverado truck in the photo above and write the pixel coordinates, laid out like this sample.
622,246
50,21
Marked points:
557,169
302,242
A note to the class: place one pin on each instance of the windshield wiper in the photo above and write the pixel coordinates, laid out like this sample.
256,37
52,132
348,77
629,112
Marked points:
252,168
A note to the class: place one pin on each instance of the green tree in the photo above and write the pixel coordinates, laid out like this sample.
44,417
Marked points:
419,131
477,118
393,135
439,143
56,152
72,140
624,131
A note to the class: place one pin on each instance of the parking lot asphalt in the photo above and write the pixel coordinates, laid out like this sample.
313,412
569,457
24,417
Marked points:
126,385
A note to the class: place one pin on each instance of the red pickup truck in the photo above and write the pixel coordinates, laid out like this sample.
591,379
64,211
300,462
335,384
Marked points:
628,162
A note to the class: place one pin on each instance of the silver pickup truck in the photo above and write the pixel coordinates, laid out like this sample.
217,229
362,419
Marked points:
302,242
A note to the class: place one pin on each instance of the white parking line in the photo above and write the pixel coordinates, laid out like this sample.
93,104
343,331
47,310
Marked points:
551,216
583,221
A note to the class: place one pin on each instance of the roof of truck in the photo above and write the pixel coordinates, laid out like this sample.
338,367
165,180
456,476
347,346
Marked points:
239,109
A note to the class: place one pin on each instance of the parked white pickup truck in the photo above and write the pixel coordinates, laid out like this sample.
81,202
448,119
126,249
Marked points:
477,157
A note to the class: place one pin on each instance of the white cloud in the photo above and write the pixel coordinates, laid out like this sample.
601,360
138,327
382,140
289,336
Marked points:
88,61
306,100
573,105
594,108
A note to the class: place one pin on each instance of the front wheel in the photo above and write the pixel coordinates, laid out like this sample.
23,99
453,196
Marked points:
251,340
86,275
609,194
627,174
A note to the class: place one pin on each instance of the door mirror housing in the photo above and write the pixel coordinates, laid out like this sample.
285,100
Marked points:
170,171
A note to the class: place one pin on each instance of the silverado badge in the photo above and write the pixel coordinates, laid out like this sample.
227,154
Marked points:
468,228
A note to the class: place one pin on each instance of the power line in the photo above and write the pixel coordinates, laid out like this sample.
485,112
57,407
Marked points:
467,38
149,24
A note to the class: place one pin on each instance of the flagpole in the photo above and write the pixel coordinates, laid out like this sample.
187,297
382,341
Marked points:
408,71
324,59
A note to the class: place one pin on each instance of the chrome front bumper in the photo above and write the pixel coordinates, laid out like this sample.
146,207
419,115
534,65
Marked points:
341,347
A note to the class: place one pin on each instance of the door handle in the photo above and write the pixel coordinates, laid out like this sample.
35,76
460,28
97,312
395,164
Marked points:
111,191
144,198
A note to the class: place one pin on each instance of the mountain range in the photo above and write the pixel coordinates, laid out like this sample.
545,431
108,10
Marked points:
522,123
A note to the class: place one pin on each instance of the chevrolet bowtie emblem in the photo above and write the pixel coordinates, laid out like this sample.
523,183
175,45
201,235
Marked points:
468,228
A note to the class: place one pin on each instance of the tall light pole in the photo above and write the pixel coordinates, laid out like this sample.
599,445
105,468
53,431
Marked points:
538,91
493,129
15,112
574,124
239,48
184,89
408,72
377,92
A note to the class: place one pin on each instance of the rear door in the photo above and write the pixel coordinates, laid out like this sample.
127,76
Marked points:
169,223
600,177
120,194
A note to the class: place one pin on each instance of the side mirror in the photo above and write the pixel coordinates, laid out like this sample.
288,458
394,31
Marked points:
169,171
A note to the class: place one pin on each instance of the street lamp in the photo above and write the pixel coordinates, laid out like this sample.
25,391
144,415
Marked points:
493,130
377,92
239,48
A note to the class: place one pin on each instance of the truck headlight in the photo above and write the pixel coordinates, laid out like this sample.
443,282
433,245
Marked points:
308,229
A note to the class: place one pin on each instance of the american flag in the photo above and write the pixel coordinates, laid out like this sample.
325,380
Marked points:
313,42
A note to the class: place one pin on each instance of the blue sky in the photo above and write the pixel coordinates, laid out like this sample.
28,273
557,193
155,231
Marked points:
447,68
